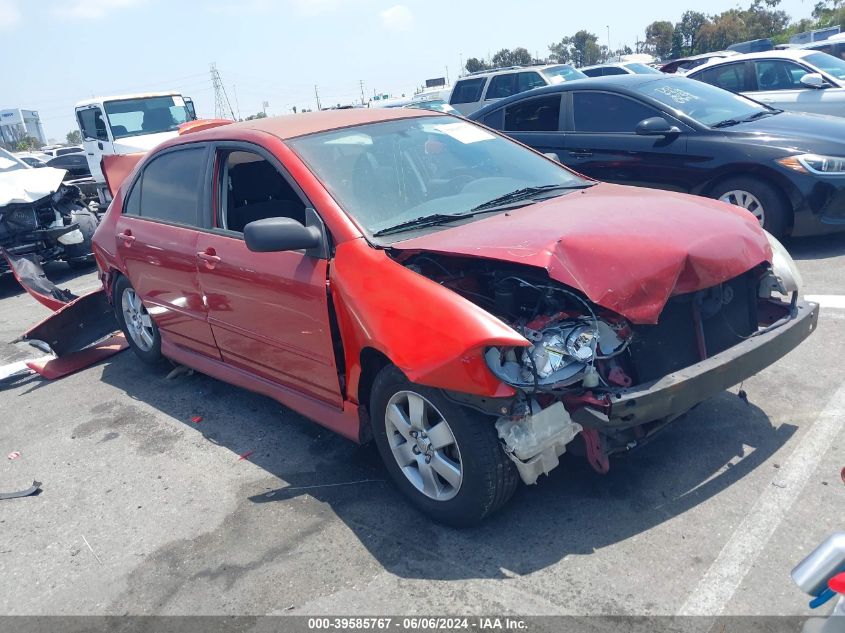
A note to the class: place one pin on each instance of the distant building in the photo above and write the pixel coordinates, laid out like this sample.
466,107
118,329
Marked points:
16,124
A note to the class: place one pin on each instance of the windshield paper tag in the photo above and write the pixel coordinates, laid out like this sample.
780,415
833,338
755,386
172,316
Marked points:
178,101
464,132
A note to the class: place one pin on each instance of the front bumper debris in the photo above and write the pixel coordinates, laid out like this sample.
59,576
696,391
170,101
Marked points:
536,441
679,391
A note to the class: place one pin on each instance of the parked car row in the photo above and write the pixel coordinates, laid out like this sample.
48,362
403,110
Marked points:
673,133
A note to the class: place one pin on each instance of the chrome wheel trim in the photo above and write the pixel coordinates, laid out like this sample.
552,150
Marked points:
747,201
139,324
423,445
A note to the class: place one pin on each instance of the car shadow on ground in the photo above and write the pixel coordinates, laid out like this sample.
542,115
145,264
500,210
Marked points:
816,246
572,511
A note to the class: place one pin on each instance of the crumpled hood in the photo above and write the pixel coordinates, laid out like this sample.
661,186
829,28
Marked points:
627,249
23,186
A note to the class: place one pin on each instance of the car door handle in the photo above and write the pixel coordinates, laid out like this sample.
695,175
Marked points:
209,257
580,153
127,237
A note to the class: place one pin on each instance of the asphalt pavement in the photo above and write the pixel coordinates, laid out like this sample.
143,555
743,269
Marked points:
146,511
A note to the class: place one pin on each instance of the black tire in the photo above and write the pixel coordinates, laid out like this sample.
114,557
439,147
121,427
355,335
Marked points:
150,356
777,216
489,477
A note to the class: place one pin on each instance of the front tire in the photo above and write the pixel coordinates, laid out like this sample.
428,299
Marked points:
760,199
444,457
141,331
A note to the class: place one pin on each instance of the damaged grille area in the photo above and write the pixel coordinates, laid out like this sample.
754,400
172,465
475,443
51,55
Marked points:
695,326
14,221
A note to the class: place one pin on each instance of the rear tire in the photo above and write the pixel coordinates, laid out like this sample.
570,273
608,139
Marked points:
141,331
759,198
479,478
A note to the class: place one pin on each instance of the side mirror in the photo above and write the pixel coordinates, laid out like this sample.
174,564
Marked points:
656,126
280,234
813,80
552,156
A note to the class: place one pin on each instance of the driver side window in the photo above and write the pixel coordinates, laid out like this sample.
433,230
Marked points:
92,124
775,74
253,189
602,112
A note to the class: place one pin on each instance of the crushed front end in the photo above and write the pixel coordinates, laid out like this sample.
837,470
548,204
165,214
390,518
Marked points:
587,371
54,227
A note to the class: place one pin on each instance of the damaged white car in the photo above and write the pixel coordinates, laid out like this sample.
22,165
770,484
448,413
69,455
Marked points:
41,218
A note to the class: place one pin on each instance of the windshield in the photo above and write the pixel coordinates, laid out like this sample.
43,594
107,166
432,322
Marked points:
642,69
10,163
564,72
827,64
701,102
385,174
147,115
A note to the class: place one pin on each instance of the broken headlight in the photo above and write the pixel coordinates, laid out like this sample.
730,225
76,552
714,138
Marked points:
562,353
784,267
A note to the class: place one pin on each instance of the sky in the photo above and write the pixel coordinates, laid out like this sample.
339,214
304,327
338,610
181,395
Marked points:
57,52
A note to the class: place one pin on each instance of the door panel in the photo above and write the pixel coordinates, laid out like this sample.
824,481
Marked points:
161,263
604,146
269,313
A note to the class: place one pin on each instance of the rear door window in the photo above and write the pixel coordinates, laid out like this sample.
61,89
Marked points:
502,86
609,113
541,114
170,188
728,77
468,90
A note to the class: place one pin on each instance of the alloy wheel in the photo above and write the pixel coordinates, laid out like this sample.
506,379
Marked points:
139,324
747,201
424,446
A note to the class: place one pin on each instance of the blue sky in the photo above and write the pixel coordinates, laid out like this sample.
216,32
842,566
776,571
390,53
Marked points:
57,52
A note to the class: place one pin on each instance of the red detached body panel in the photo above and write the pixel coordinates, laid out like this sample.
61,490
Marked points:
627,249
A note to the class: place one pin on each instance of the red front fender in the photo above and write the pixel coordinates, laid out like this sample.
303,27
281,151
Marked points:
433,335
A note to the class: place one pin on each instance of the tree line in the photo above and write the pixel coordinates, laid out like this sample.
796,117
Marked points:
694,33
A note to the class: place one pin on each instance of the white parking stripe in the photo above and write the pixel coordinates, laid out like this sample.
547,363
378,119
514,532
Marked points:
836,302
725,575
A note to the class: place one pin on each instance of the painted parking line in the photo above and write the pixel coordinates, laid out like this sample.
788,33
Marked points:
725,575
837,302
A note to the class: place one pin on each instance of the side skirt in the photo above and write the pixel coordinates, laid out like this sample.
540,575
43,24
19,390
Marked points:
344,421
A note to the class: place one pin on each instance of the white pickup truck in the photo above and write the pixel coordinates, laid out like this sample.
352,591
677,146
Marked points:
127,124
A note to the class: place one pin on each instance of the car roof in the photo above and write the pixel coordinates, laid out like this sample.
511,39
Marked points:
508,69
607,65
294,125
789,53
627,82
140,95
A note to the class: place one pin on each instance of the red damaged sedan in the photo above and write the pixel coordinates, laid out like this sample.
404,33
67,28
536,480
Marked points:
415,279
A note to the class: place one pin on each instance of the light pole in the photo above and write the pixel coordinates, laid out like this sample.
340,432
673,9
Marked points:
608,40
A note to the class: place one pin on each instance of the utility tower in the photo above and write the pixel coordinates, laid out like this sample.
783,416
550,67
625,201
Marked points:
222,107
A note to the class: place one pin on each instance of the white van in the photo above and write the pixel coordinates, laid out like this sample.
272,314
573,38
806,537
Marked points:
476,90
127,124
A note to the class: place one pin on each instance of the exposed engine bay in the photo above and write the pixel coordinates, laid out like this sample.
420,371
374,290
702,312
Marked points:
57,226
580,356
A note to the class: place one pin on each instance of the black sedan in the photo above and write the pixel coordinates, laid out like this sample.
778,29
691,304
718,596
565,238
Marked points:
76,165
679,134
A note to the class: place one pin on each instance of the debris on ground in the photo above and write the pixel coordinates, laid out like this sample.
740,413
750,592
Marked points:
33,489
